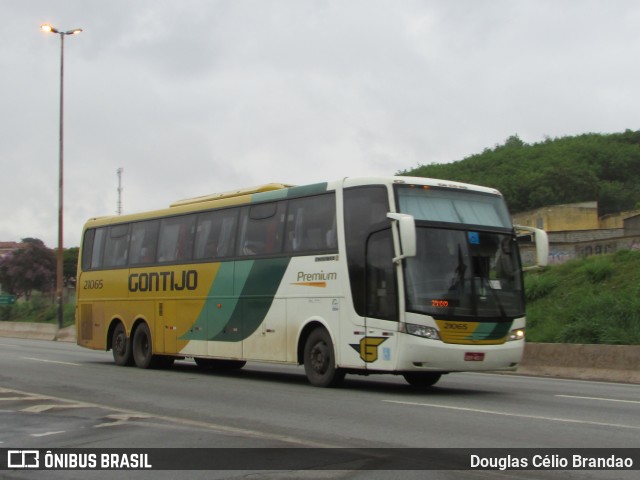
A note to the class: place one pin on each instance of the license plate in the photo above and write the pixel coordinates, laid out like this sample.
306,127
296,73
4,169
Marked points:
474,356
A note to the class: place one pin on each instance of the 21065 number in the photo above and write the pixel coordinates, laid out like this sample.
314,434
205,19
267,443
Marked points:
93,284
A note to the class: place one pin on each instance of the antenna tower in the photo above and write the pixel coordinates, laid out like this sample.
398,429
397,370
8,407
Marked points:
119,210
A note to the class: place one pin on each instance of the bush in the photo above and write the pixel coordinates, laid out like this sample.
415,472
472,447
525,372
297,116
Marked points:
594,300
597,269
540,285
38,310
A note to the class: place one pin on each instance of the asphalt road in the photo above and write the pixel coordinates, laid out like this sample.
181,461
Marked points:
58,395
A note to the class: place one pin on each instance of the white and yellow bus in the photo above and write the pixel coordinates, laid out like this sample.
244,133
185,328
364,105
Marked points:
400,275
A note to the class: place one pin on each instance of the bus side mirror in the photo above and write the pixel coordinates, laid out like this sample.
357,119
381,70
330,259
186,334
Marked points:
542,245
407,231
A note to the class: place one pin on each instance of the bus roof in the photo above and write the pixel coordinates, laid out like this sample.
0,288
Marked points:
231,193
244,195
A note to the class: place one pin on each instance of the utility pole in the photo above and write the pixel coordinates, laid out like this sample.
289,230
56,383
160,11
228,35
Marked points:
59,254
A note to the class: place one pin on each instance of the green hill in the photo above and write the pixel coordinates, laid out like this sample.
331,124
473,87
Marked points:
595,300
602,167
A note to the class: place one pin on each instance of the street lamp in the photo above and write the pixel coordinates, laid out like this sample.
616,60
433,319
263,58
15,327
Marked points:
59,266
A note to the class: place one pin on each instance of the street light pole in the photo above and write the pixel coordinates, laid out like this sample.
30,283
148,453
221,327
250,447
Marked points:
59,264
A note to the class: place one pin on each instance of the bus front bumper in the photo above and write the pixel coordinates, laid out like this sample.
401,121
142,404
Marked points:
420,354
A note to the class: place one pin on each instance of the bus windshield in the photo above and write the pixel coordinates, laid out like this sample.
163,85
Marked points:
467,263
465,273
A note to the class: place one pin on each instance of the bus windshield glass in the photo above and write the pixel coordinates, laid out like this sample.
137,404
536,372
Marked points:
459,274
471,269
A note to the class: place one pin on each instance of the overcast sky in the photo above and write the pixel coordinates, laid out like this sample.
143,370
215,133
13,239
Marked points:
193,97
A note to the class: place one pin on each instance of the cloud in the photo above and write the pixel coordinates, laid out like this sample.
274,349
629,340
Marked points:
201,96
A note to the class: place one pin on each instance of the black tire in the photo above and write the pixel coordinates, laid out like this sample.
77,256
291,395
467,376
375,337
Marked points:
217,364
121,346
422,379
320,360
142,348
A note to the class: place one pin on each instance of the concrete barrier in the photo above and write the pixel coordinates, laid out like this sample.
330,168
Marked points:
614,363
611,363
37,331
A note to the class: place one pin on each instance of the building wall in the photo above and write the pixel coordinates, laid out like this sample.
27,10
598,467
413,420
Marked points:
617,220
576,232
575,216
632,225
565,251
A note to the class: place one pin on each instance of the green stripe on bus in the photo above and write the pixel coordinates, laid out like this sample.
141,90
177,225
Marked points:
490,331
229,317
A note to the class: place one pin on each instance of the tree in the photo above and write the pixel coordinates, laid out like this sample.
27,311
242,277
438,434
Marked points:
70,266
563,170
30,267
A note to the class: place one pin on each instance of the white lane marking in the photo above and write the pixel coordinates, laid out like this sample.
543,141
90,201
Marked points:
122,419
600,399
13,399
518,415
50,361
46,408
46,434
196,423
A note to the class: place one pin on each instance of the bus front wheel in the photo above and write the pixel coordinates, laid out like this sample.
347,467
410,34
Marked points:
320,361
121,346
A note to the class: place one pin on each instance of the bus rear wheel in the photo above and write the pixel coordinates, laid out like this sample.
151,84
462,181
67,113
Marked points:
320,361
142,348
422,379
121,346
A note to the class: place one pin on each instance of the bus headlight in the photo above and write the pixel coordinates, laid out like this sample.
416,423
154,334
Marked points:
517,334
422,331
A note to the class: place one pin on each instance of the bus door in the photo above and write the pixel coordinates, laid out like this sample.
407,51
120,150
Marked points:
369,251
378,347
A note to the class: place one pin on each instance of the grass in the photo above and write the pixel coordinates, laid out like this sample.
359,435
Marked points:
595,300
38,310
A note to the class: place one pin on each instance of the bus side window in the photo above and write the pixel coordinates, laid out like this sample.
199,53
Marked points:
204,246
311,224
98,247
227,239
89,258
215,234
262,227
144,242
176,239
117,246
